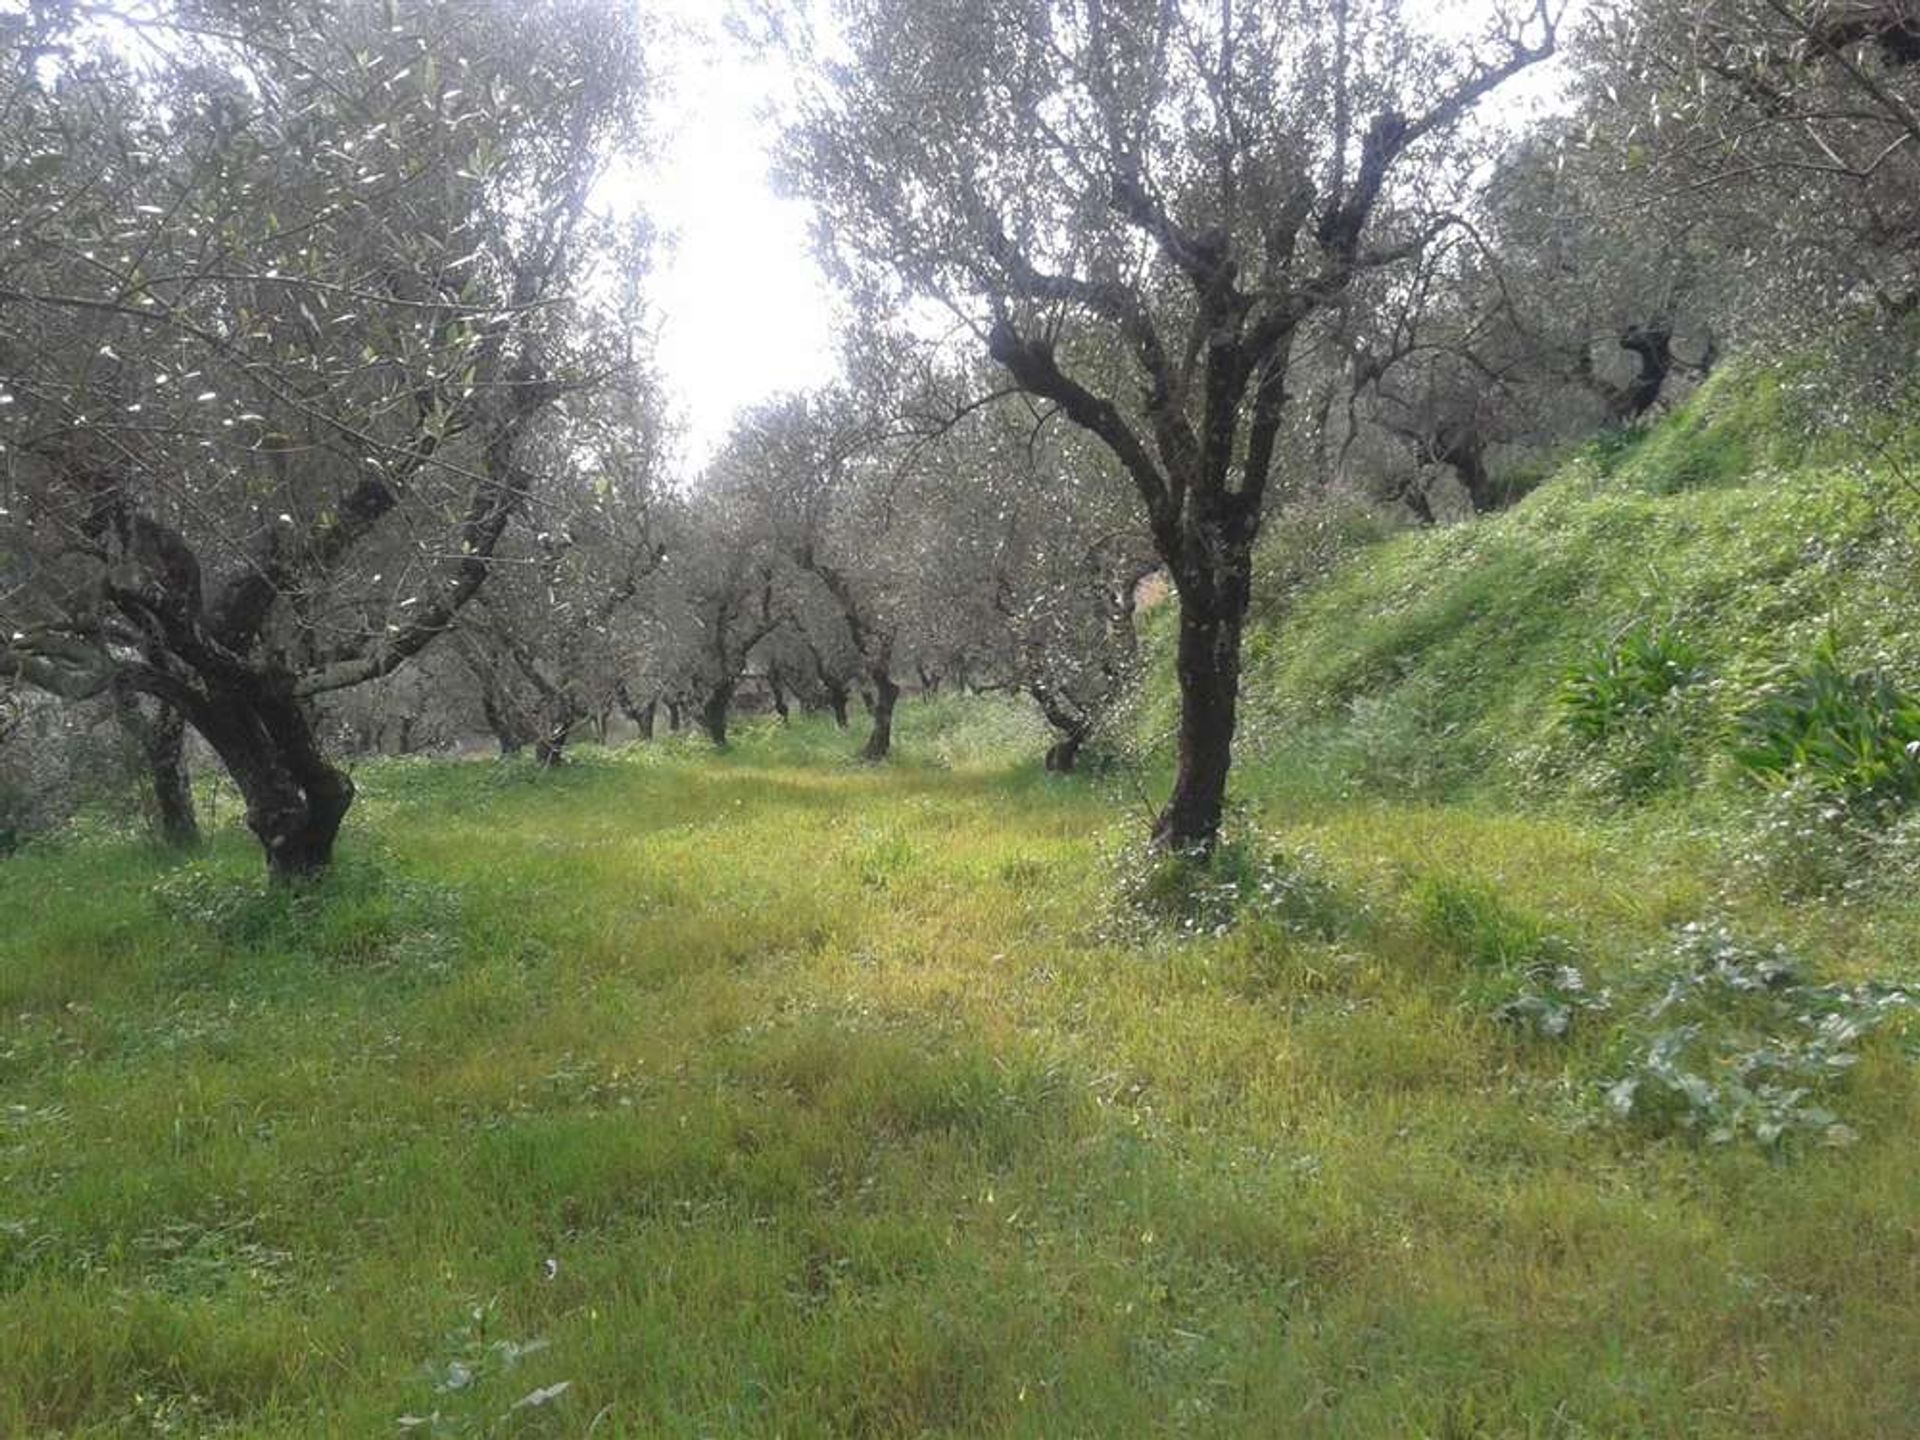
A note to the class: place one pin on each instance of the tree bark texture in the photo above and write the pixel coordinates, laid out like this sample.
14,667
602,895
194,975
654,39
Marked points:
295,797
880,739
1209,670
162,741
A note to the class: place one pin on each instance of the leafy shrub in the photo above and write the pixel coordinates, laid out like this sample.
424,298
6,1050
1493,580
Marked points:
1738,1044
1627,680
1406,743
1851,736
1550,998
1247,878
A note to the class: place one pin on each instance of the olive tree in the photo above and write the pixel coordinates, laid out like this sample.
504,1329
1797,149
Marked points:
545,640
1791,126
1549,319
286,304
1033,559
716,598
821,482
1139,208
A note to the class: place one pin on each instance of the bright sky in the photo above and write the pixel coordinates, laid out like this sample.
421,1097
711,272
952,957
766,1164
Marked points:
743,311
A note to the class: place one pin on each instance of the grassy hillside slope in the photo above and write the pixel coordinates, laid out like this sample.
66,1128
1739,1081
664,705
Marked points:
1433,664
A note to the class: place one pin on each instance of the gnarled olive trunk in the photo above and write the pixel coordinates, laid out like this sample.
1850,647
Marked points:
550,750
833,688
1064,754
295,797
1208,667
162,741
885,695
560,716
1075,728
1462,447
644,716
506,720
713,713
1651,346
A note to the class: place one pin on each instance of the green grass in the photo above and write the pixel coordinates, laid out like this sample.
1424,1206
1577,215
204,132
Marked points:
768,1094
1433,664
840,1110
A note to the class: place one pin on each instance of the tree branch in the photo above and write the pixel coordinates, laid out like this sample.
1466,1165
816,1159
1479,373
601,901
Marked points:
1032,364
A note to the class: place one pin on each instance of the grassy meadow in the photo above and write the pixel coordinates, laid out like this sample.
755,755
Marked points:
1504,1077
766,1094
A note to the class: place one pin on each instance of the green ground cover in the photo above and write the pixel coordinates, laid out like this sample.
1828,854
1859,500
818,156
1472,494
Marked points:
1508,1075
841,1105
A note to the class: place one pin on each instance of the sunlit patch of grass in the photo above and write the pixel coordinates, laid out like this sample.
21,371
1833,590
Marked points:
767,1093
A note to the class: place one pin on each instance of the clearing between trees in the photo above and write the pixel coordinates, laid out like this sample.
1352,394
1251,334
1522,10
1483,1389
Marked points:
761,1093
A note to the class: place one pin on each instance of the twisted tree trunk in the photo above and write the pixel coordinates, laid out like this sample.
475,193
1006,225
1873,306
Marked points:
162,742
1073,725
508,731
713,713
643,716
295,797
880,740
1064,754
1208,666
550,751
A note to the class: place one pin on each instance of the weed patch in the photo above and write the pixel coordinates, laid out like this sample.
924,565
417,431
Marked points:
1739,1045
1251,877
363,911
1852,737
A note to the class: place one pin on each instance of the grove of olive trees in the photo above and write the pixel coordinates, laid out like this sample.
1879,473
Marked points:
967,717
330,423
292,297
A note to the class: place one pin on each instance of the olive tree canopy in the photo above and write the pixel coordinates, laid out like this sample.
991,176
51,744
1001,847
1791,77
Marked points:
287,297
1139,206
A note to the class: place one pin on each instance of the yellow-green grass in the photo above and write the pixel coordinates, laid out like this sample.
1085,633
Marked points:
765,1094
